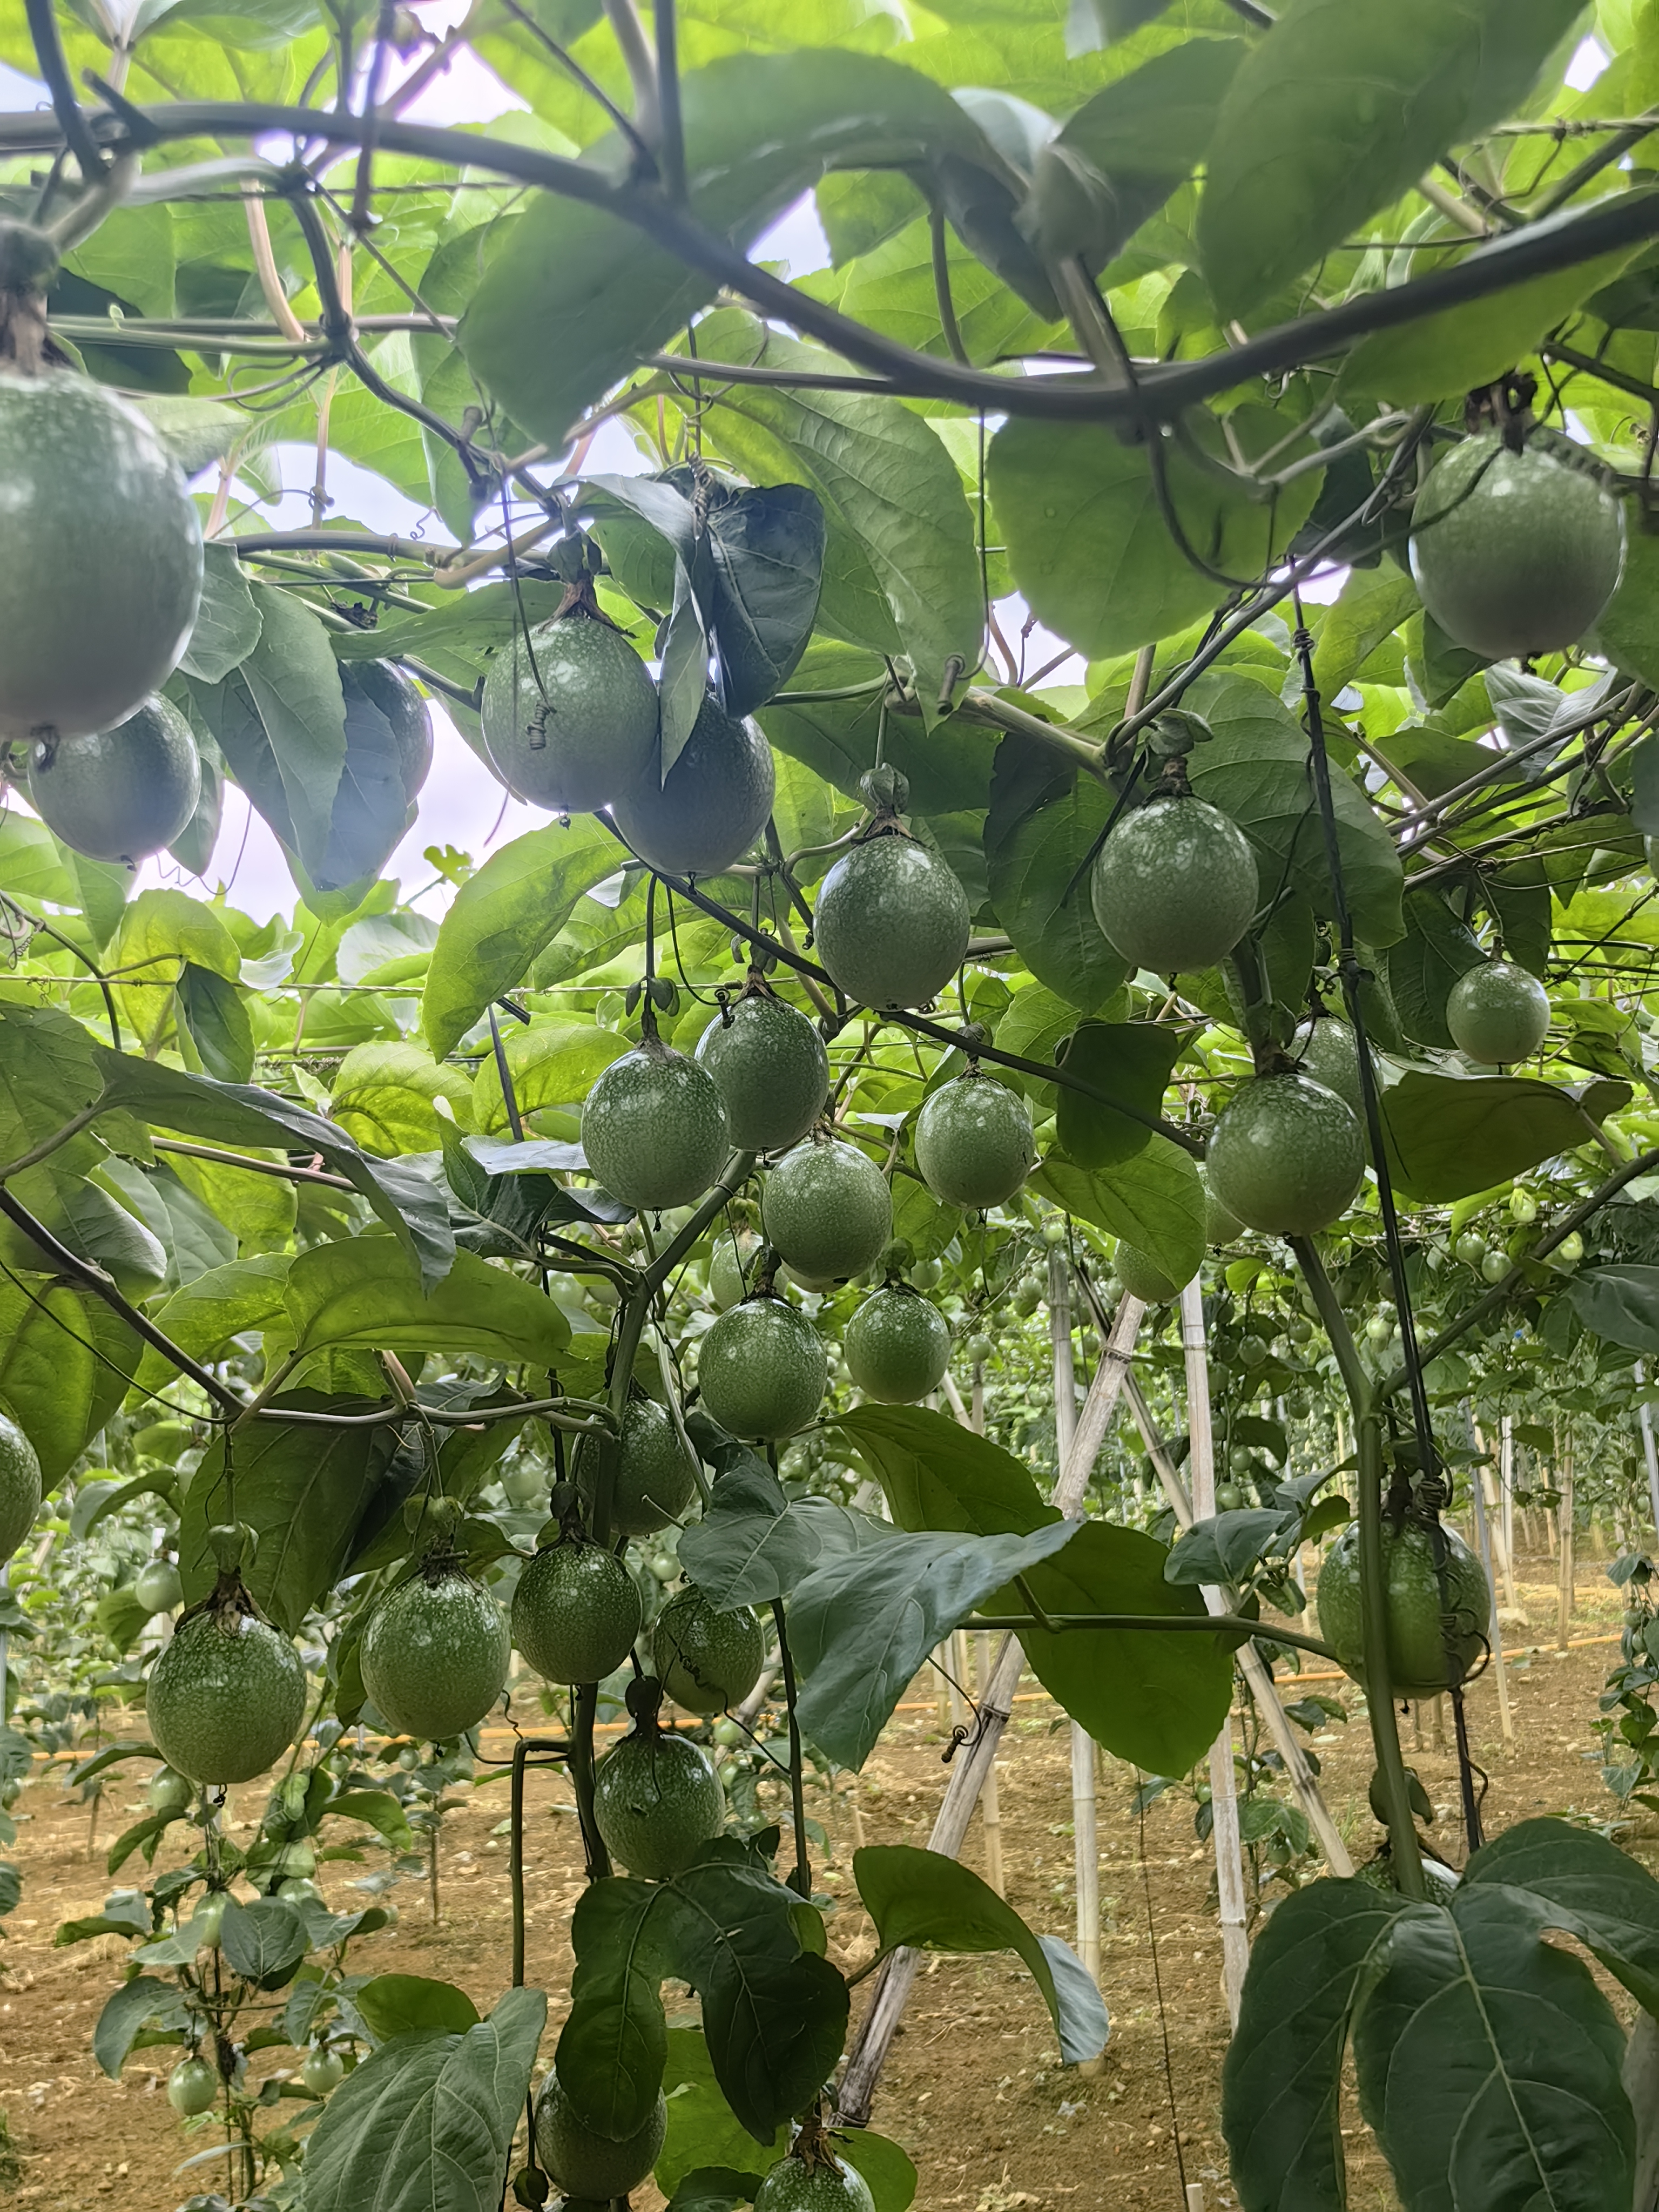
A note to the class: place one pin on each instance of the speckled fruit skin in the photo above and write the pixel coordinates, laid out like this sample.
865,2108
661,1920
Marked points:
588,2165
706,1661
1286,1156
771,1068
794,2186
19,1487
655,1482
827,1207
192,2087
434,1656
1498,1013
1417,1649
1515,553
226,1698
1222,1226
99,590
570,719
1329,1054
973,1142
575,1613
159,1586
712,806
897,1346
1142,1277
657,1800
762,1371
123,794
892,922
655,1128
1175,886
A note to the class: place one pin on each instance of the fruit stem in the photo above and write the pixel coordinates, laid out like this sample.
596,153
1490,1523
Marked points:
801,1880
581,1778
1405,1856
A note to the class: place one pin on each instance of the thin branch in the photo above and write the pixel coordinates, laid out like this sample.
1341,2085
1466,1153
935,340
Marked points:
624,19
54,68
264,263
671,125
246,1162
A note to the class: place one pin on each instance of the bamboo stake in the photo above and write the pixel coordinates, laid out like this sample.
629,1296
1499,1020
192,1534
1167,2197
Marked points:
990,1808
1506,1505
1493,1630
1564,1622
1085,1839
1651,1454
1223,1786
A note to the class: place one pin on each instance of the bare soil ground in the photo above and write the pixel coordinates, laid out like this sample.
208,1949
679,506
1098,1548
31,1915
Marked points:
974,2089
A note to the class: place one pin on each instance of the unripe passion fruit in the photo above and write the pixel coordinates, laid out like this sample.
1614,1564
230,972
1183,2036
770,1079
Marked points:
323,2070
192,2087
654,1129
1329,1053
434,1655
827,1207
1515,553
19,1487
586,2164
159,1586
762,1371
1286,1156
705,1660
571,717
1142,1277
1497,1014
897,1346
1416,1633
168,1792
973,1142
770,1067
825,2185
99,593
381,688
1221,1225
227,1695
1175,885
892,922
575,1613
655,1481
729,1268
712,806
120,794
657,1800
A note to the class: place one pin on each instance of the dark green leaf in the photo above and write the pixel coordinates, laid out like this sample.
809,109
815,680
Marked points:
64,1358
219,1025
1423,966
948,765
937,1475
615,2041
752,1545
1226,1547
769,567
124,2013
714,2189
227,622
1622,1304
1450,1135
1041,830
1586,1885
280,721
47,1073
703,2131
365,1294
1155,1201
399,2004
262,1939
1126,1061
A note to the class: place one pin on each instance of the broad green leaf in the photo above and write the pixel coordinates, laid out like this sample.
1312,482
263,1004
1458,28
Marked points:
227,622
550,1063
1620,1303
1451,1135
1586,1885
125,2011
947,766
1126,1060
379,1810
503,917
702,2128
753,1544
1155,1201
937,1475
64,1360
304,1490
384,1093
47,1073
1042,829
205,1314
161,932
1087,539
218,1023
426,2122
930,1903
891,289
259,1210
296,686
1373,605
1424,964
1313,1961
1628,632
1036,1028
615,2041
1339,109
262,1938
399,2004
366,1294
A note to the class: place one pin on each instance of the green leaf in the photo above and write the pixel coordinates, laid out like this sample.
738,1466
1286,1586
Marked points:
364,1293
577,295
947,765
162,932
1451,1135
64,1358
753,1544
295,682
551,1063
1587,1887
1339,109
47,1073
1373,605
1311,1962
927,1902
1621,1304
125,2012
1256,770
1423,966
262,1939
227,622
1628,632
379,1810
220,1026
1043,826
384,1095
1126,1061
937,1475
426,2122
615,2041
503,916
1088,542
203,1316
703,2131
399,2004
371,806
1155,1201
305,1491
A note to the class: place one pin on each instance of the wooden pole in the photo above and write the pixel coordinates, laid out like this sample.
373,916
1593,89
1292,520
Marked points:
1564,1624
1506,1505
1651,1454
990,1809
1494,1628
1085,1840
1224,1786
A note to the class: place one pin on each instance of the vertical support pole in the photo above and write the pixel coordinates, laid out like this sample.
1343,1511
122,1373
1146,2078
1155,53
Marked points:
990,1807
1567,1563
1651,1454
1506,1504
1224,1790
1494,1629
1085,1840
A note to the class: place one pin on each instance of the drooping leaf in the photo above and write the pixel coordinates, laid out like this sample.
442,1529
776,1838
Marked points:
1586,1885
384,1092
220,1026
401,2004
1620,1303
204,1315
937,1475
227,622
1042,825
1451,1135
753,1544
1154,1200
1126,1060
365,1293
125,2012
64,1358
47,1073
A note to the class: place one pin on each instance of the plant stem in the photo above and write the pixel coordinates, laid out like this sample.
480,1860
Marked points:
801,1880
581,1776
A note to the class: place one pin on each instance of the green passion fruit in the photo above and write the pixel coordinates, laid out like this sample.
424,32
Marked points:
192,2087
897,1346
1515,553
1221,1227
575,1613
1497,1014
770,1067
657,1800
1417,1655
712,805
655,1128
434,1655
583,2162
226,1693
827,1207
1286,1156
120,794
706,1661
892,922
1175,886
20,1486
655,1480
99,596
1329,1052
973,1142
159,1586
571,714
762,1371
820,2185
381,687
1142,1277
